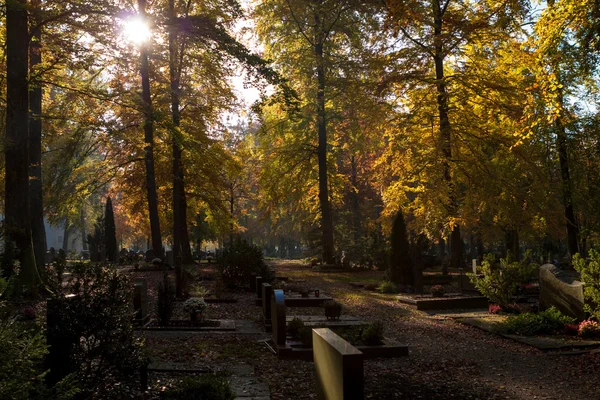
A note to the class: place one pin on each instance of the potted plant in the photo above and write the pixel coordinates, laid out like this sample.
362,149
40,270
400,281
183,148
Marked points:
195,306
333,310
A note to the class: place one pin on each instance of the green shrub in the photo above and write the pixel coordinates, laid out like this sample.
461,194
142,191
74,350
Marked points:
293,328
333,309
99,320
305,335
501,280
237,262
590,275
387,287
195,305
165,302
204,387
22,352
530,324
372,334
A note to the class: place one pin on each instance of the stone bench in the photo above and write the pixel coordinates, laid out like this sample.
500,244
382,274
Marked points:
338,366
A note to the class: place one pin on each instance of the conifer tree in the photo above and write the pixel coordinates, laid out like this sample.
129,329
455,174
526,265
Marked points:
401,270
110,233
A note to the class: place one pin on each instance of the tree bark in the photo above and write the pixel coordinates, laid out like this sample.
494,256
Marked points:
326,218
445,133
36,199
16,148
157,248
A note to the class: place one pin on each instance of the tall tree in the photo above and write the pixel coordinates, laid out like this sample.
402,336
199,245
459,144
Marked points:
157,247
36,204
16,200
181,239
308,40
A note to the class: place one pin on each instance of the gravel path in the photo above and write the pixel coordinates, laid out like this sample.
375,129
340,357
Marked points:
447,359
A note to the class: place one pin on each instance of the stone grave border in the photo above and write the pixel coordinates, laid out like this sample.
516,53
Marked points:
445,303
226,325
287,350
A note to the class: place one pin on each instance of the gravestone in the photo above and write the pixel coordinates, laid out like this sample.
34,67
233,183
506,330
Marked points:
259,281
149,256
60,341
474,265
339,367
278,317
267,292
562,290
140,300
170,259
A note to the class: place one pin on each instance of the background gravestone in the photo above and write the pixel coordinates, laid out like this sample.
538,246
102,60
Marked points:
267,292
278,317
259,281
170,259
149,256
253,281
562,290
140,300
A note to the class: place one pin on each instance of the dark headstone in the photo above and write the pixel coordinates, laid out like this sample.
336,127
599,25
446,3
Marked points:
170,259
259,281
149,256
562,290
124,253
140,300
267,292
278,317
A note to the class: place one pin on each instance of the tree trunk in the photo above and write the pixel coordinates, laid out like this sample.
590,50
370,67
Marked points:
511,240
84,244
181,237
445,133
563,158
149,142
16,148
36,199
231,204
65,243
567,185
326,219
480,249
355,202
